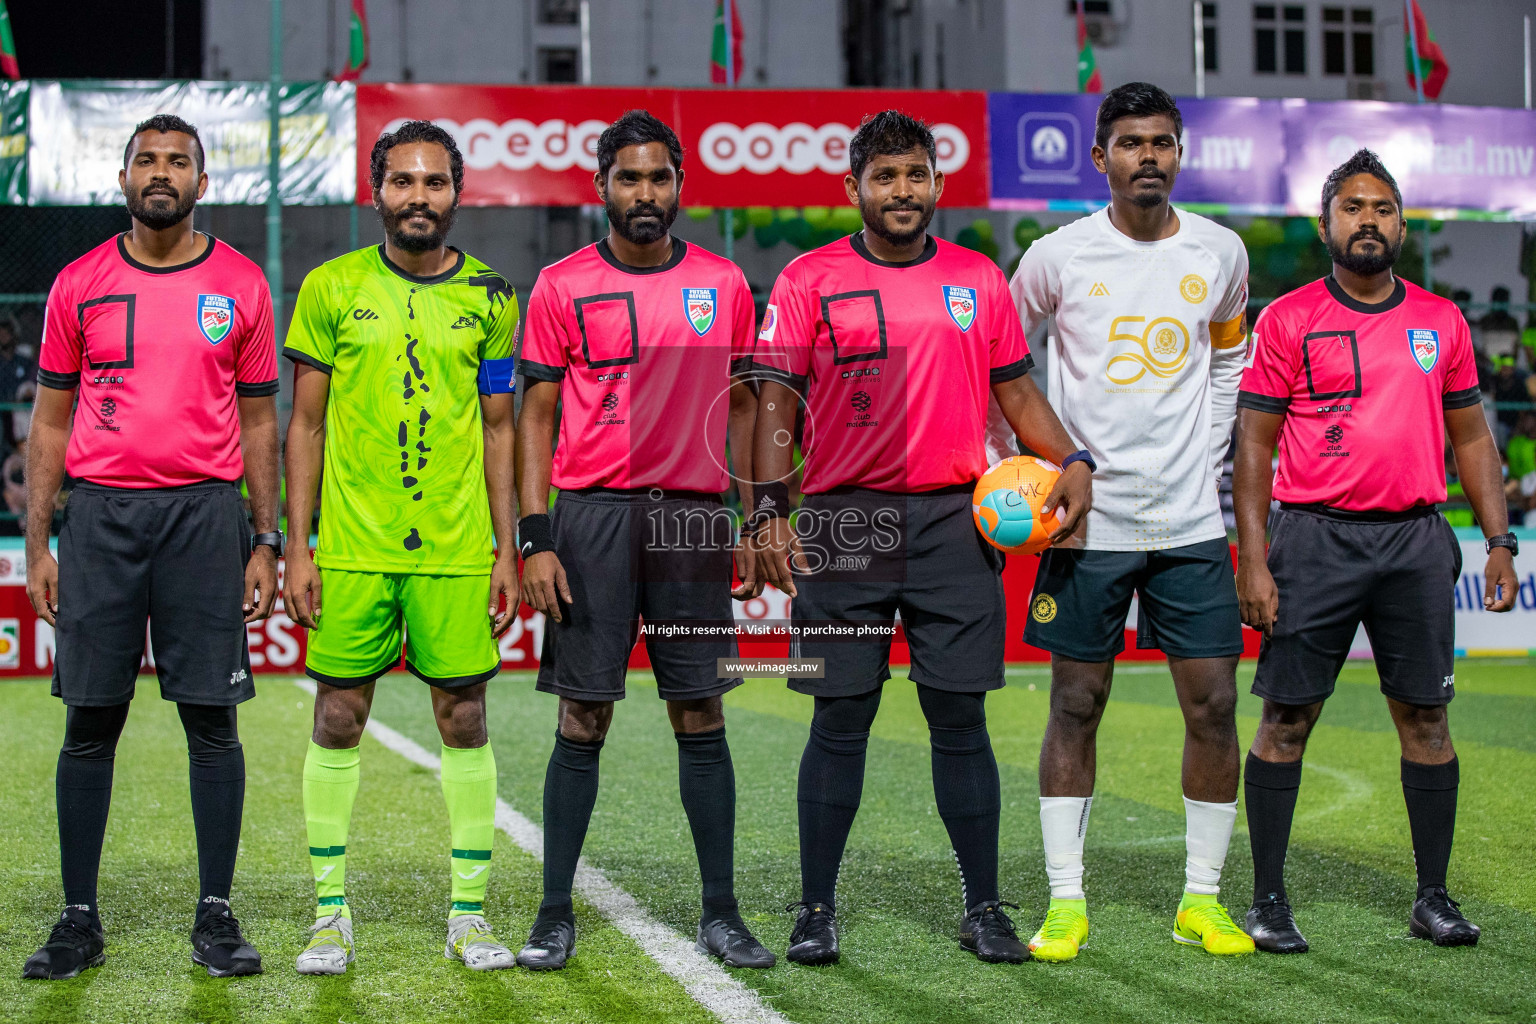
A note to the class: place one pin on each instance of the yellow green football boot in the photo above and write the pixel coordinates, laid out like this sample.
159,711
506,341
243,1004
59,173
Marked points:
1202,921
1064,932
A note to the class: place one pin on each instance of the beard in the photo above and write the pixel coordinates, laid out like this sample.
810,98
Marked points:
158,217
874,221
641,233
1147,200
416,241
1362,263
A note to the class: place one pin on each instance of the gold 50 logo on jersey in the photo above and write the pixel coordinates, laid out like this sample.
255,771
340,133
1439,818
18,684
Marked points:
1160,348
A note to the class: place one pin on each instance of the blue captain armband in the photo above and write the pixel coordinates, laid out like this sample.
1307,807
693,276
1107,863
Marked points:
496,376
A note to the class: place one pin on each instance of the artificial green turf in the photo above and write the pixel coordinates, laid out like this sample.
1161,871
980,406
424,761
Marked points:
397,874
1350,869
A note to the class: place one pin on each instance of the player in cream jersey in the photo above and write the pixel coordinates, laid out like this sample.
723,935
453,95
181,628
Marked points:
1149,346
1150,343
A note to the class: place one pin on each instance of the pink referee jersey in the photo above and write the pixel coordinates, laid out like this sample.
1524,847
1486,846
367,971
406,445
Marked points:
643,357
159,355
1363,389
896,361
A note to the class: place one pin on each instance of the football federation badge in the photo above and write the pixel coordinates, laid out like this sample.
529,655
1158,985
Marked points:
700,304
961,303
1426,347
215,314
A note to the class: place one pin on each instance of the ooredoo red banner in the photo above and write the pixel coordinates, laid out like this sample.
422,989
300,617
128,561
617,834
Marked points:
537,145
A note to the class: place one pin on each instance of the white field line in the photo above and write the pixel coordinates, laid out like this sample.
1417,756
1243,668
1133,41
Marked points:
702,978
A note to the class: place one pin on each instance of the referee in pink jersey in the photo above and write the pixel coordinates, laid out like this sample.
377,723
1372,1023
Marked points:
157,375
1360,376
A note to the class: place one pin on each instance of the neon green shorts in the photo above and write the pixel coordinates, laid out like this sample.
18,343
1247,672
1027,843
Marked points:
365,616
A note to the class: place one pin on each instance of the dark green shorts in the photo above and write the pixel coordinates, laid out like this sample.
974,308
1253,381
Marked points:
1188,602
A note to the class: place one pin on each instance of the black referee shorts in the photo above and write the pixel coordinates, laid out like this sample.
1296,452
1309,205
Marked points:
169,557
872,554
1396,575
631,558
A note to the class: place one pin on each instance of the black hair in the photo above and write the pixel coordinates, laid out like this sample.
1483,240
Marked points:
412,132
1134,99
636,128
1363,162
166,123
889,133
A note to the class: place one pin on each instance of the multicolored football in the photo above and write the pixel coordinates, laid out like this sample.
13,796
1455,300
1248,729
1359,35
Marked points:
1007,503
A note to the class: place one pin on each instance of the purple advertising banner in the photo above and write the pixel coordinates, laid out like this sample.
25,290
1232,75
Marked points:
1444,158
1252,156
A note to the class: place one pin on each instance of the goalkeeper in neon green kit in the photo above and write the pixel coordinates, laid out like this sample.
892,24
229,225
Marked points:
403,394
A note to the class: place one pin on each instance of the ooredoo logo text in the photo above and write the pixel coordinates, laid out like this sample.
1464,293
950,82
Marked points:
800,148
520,144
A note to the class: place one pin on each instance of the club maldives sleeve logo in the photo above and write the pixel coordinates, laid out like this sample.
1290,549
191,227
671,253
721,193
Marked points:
1426,347
770,323
700,305
215,314
961,303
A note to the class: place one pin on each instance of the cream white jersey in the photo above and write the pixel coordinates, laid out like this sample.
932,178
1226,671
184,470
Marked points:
1148,347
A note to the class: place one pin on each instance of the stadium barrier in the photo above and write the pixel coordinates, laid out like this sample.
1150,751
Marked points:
536,145
277,645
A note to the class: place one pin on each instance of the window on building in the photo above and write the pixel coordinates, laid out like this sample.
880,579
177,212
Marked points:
1294,39
1349,41
1208,31
1362,41
1333,41
559,64
1265,39
559,12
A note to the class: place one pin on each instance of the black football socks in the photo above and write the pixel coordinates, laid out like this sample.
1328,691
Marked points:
831,785
706,782
216,772
570,791
83,790
1269,790
1430,792
965,786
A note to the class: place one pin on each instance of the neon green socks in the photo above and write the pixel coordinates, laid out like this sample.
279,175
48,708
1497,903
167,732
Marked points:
469,788
1197,899
330,789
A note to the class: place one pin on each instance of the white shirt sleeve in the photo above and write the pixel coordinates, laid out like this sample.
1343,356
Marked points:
1229,353
1036,285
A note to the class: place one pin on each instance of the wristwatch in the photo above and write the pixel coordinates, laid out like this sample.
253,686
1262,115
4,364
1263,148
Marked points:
1503,540
272,540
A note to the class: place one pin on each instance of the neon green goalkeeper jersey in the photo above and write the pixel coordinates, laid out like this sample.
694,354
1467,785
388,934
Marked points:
404,479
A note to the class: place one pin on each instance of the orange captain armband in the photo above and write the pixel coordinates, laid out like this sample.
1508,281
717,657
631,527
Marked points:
1227,334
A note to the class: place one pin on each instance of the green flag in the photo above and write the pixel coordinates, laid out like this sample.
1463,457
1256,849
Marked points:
1087,68
8,66
717,55
357,43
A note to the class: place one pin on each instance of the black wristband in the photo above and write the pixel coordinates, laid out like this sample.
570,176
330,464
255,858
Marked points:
534,535
772,503
1081,455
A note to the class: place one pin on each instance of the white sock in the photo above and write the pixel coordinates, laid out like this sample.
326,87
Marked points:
1207,831
1063,824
